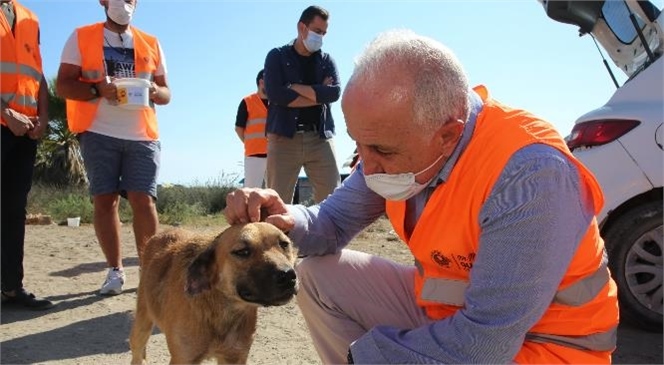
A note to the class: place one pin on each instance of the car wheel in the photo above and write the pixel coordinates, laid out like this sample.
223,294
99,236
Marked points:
634,244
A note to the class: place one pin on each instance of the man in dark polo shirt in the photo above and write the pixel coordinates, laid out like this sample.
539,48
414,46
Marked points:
301,81
250,128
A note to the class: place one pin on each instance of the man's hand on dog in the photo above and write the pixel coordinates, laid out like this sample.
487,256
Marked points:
254,205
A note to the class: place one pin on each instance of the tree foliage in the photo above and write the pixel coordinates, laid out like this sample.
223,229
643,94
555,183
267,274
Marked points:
59,160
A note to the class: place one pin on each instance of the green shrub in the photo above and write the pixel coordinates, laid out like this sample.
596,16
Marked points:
40,195
176,204
211,196
43,198
61,202
180,212
71,205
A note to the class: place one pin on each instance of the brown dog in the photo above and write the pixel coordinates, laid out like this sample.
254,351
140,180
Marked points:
204,293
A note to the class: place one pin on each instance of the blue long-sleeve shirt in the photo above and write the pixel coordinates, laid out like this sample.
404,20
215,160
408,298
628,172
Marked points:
531,225
282,68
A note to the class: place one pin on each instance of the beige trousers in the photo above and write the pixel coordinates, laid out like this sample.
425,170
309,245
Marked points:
286,156
343,296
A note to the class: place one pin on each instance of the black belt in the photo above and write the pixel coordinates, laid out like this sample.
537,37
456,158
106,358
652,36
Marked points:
306,127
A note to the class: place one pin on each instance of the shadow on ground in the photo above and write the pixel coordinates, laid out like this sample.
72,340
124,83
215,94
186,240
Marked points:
636,346
105,335
14,313
90,267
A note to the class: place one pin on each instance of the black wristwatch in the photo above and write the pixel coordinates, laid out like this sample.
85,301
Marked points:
93,90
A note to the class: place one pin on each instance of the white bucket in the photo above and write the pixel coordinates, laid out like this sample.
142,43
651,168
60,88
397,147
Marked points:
133,93
74,222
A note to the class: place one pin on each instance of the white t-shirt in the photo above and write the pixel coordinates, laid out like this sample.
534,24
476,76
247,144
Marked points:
112,120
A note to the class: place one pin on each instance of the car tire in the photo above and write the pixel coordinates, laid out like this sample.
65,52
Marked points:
634,245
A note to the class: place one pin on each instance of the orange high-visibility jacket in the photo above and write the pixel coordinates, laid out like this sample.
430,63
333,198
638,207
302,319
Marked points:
20,62
255,142
580,324
81,114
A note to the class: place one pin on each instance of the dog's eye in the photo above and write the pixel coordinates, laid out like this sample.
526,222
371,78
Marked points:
244,252
284,244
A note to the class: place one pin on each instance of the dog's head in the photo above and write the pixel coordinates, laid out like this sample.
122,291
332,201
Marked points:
251,262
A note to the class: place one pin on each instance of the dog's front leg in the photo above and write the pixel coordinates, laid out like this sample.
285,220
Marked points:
187,348
232,358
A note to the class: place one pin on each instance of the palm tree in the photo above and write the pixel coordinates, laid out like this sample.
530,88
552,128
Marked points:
59,160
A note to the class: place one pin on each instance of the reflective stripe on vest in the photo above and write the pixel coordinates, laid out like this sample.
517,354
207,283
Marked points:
256,121
22,100
603,341
91,75
13,68
248,136
450,291
585,289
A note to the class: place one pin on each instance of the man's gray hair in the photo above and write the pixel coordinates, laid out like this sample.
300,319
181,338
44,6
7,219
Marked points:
440,91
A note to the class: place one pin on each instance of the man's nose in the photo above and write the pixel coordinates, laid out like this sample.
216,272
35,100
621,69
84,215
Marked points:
370,167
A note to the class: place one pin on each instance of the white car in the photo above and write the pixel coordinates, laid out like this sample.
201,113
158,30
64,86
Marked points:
621,142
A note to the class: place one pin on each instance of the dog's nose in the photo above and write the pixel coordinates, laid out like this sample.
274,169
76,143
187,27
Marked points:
286,277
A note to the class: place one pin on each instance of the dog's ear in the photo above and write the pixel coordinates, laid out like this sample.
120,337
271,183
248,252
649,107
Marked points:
201,272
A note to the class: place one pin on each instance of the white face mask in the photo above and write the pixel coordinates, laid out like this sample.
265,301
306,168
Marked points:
397,186
119,11
313,42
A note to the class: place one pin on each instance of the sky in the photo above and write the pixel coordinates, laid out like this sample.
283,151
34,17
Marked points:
214,49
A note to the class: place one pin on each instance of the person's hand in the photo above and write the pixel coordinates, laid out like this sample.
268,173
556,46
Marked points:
328,81
253,205
108,90
154,90
18,123
39,128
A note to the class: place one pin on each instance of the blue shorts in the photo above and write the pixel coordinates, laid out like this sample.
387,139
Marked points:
118,165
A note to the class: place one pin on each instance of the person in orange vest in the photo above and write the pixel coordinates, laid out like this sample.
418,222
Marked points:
116,124
498,214
250,128
24,117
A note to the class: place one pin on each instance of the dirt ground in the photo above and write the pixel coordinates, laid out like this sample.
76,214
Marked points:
66,265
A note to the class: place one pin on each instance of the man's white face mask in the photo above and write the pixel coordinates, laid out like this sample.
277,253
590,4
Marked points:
397,186
313,42
120,11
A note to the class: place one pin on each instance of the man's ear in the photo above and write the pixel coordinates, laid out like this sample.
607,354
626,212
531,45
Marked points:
449,135
301,27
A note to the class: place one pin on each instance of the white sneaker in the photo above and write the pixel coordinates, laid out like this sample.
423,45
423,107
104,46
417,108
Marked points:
114,281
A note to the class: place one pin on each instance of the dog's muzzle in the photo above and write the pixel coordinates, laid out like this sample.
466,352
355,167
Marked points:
270,287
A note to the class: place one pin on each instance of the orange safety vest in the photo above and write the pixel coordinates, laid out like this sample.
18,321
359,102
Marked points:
81,114
20,62
255,142
580,324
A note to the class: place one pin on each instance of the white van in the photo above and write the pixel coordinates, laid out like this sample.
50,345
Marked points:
621,142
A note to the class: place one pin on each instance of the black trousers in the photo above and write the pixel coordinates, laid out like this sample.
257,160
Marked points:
18,160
